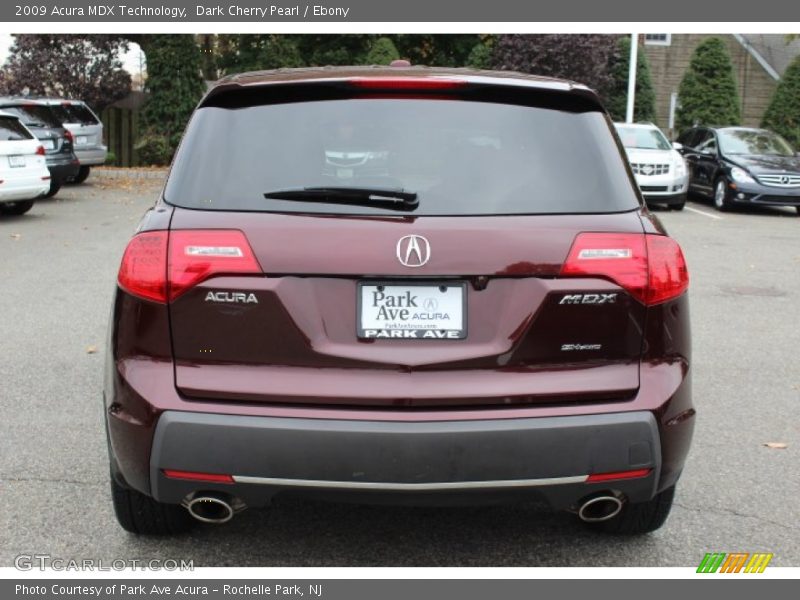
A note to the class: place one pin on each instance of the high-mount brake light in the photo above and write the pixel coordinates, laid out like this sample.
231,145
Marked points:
651,268
406,83
161,265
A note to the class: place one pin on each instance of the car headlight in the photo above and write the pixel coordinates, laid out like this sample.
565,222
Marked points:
741,176
680,167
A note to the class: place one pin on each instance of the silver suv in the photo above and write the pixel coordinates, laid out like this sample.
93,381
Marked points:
87,131
659,168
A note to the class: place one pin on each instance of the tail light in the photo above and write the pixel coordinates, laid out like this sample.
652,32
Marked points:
651,268
162,265
68,136
40,150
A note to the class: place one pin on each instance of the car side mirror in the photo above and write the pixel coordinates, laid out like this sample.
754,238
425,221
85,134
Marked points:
677,146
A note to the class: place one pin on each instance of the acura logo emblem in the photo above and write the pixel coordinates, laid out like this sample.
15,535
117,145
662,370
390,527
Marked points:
413,251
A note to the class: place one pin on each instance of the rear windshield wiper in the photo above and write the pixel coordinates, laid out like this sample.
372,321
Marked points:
392,199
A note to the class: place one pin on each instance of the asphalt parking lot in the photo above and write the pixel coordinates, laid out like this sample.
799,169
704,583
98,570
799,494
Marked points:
57,271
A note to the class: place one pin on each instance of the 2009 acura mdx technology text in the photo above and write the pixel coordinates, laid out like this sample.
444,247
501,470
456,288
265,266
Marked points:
398,284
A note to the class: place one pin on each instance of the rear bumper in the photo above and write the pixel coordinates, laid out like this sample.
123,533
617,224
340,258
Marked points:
27,188
549,457
92,156
62,169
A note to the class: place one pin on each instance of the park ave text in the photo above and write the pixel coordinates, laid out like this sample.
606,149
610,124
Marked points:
203,11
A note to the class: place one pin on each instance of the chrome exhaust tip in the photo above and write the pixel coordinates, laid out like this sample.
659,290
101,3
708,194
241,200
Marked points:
212,507
600,508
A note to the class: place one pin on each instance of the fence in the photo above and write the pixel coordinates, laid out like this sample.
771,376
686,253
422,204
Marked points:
121,127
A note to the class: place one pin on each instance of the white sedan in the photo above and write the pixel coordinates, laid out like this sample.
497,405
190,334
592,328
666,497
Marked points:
23,171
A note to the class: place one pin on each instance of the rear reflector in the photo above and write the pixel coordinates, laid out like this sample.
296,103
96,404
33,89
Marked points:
407,83
651,268
40,150
194,476
162,265
635,474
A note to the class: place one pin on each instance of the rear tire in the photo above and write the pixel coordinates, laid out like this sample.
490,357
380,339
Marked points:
141,514
797,208
54,187
639,518
16,208
83,173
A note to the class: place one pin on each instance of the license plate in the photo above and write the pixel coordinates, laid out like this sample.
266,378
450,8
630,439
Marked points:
81,140
412,311
16,161
49,144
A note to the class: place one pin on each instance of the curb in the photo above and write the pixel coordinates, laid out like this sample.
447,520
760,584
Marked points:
112,173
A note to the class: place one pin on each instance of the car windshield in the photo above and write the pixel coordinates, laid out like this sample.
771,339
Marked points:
34,115
752,141
642,138
458,157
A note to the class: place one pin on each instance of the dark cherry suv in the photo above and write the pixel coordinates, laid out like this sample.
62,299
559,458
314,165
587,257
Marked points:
398,284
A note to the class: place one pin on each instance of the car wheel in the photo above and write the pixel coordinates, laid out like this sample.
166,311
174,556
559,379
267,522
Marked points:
141,514
639,518
54,187
678,206
797,208
16,208
721,195
83,173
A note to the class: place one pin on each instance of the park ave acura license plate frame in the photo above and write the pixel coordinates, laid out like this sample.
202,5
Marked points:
429,310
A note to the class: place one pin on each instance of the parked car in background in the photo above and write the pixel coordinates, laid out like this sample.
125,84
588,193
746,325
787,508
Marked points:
56,140
658,167
741,165
440,286
87,132
23,171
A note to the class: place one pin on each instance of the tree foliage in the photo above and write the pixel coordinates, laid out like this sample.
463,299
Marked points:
82,67
174,84
783,112
708,92
582,58
382,52
616,96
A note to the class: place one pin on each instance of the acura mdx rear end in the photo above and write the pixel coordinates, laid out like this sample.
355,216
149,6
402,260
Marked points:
398,284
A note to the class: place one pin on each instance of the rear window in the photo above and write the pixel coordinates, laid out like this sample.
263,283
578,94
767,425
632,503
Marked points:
12,130
459,157
79,113
34,115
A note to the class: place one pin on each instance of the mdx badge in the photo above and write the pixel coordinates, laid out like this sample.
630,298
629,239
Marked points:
589,299
232,297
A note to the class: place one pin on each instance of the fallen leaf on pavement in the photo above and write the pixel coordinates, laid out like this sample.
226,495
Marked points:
776,445
91,349
16,236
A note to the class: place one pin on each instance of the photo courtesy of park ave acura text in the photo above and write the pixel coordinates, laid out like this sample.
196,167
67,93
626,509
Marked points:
398,299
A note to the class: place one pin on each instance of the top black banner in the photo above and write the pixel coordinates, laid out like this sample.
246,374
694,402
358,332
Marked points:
354,11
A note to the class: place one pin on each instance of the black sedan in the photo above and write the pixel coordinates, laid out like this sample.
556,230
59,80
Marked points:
740,165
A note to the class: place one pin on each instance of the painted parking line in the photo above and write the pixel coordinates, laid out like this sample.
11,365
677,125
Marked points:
704,213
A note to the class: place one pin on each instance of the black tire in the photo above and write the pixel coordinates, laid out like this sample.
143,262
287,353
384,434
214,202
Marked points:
83,173
678,206
721,195
639,518
797,208
19,207
141,514
54,187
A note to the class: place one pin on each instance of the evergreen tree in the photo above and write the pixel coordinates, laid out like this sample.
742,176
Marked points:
174,84
382,52
783,113
616,97
708,93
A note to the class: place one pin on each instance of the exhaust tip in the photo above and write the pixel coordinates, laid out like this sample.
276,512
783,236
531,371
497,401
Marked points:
210,509
600,508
